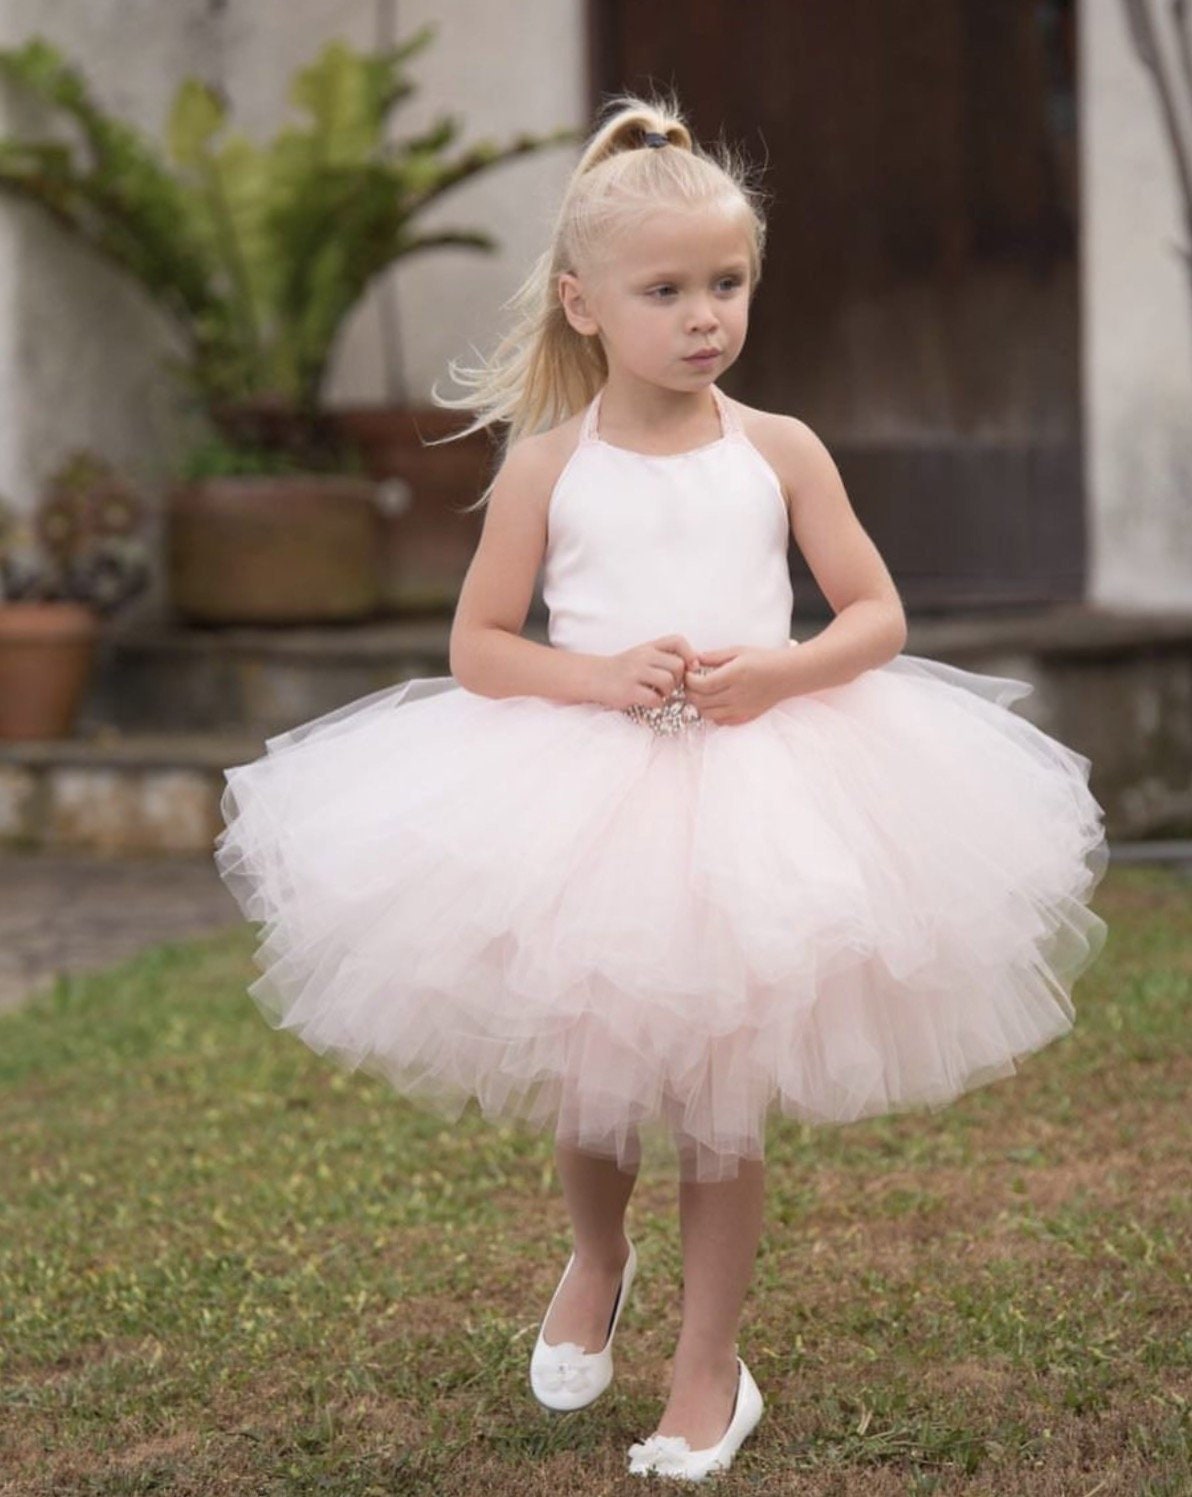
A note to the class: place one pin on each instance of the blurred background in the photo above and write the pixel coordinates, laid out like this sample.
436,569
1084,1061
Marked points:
240,240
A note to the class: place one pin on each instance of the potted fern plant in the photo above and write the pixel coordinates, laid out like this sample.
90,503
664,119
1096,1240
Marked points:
259,253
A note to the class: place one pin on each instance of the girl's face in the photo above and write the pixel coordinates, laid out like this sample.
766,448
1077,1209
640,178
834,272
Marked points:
669,288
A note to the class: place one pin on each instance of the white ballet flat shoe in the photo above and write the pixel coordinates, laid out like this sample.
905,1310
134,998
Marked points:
565,1376
671,1455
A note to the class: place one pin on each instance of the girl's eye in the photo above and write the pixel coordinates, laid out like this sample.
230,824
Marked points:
725,283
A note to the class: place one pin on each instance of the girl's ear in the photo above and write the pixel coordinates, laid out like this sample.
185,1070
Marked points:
575,305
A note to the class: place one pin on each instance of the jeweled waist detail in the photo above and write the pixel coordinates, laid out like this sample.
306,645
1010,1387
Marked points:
675,714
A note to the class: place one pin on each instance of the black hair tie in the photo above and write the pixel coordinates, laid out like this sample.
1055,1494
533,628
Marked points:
654,138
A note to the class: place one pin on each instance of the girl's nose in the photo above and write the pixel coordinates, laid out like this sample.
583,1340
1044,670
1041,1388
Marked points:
703,316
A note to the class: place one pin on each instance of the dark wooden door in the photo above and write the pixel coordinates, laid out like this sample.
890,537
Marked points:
919,304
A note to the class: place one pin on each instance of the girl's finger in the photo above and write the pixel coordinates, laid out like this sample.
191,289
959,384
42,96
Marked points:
708,688
676,643
673,663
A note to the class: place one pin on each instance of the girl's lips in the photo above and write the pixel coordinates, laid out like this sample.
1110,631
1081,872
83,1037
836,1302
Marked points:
703,358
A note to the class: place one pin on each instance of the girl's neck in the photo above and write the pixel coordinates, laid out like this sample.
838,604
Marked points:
652,419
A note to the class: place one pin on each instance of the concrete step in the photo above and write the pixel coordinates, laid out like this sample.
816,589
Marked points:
162,676
1117,688
115,793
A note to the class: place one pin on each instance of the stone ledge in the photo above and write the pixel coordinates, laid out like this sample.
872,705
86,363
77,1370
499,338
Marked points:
118,794
174,678
108,809
1078,628
262,681
382,640
1066,629
107,747
1115,687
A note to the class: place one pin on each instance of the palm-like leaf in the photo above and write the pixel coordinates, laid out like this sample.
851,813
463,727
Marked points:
123,203
259,252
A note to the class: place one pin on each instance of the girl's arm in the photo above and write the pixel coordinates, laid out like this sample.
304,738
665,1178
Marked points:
870,625
487,653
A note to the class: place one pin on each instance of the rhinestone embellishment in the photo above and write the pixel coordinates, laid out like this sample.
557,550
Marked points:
674,715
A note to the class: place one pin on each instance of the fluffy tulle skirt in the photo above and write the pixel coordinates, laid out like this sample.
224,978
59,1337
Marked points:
871,898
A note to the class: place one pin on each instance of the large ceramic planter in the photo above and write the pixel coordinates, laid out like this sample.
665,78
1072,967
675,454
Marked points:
46,651
427,542
279,550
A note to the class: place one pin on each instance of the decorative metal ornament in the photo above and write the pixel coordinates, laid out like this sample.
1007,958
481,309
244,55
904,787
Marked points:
673,715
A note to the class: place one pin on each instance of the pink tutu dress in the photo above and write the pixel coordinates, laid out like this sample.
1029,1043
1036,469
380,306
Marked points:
873,897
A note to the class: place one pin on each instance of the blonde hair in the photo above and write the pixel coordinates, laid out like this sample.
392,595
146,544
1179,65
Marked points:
543,371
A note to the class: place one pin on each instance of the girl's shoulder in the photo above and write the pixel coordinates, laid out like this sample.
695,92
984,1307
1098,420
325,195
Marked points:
552,447
787,443
533,465
770,426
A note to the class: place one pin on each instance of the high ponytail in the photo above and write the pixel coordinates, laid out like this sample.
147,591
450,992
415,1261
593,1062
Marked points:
542,370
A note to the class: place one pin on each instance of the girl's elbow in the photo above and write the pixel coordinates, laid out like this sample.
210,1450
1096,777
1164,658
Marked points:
458,657
899,629
896,628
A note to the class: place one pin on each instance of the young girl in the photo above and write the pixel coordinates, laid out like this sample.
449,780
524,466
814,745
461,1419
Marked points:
670,870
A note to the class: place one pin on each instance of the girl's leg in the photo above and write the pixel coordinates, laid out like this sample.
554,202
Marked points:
596,1193
721,1224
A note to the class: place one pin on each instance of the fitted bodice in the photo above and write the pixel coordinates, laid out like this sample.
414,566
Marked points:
640,545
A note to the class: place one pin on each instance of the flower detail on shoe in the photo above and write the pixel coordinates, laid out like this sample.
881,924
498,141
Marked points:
565,1376
671,1455
566,1369
658,1453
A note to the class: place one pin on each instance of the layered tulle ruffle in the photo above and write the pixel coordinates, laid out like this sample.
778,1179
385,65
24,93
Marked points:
873,897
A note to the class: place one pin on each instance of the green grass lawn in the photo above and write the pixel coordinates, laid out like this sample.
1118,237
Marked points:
228,1267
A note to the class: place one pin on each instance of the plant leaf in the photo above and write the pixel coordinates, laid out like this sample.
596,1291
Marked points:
196,117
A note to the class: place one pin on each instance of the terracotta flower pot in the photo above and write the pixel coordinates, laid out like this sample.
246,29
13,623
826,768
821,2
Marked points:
46,651
297,549
428,543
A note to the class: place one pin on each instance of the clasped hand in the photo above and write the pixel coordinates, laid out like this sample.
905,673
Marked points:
732,685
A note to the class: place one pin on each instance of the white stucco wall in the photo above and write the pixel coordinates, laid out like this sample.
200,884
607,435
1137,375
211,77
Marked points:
1137,324
502,67
81,352
80,347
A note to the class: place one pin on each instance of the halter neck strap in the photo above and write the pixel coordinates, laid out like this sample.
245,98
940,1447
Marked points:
729,424
728,417
588,430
